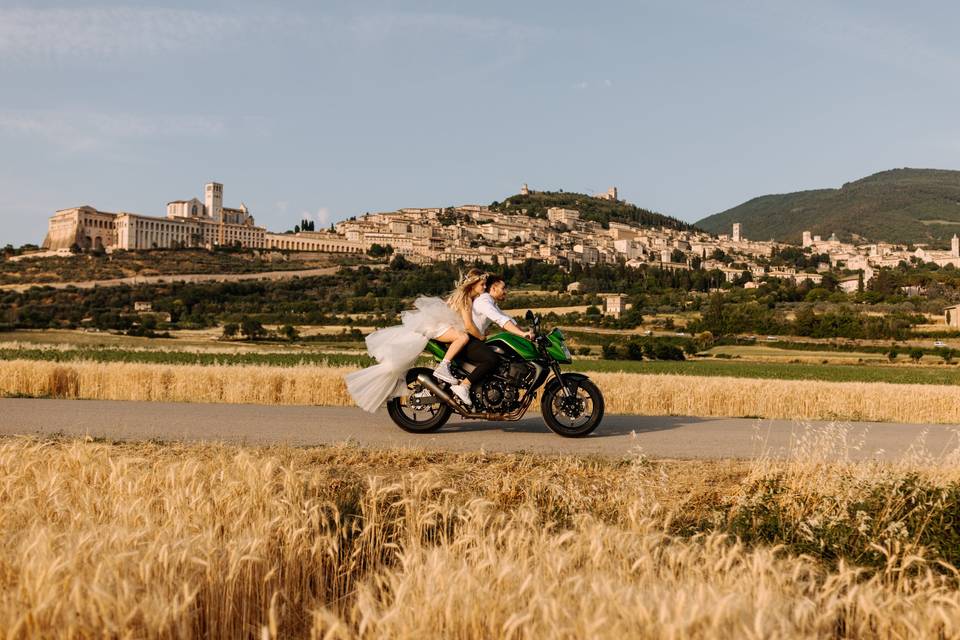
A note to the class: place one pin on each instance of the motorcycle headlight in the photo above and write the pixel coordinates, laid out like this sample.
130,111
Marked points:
566,351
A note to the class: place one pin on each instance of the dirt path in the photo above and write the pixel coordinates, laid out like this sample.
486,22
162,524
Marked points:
181,277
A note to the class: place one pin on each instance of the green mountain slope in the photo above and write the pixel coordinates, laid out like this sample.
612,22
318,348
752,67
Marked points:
901,205
590,208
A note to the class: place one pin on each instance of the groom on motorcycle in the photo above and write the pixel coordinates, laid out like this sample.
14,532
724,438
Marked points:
486,311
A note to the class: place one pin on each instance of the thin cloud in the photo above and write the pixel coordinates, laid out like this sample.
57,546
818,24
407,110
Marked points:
383,25
321,216
864,35
86,131
605,84
56,33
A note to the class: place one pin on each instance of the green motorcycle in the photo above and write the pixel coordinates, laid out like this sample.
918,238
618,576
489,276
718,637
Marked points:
571,405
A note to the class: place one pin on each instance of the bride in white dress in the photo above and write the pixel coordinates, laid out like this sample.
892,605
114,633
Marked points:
397,348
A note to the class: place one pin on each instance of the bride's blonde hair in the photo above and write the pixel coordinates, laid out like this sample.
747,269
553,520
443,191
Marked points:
460,299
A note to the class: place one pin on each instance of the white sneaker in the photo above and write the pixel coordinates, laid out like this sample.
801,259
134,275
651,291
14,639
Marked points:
442,372
463,393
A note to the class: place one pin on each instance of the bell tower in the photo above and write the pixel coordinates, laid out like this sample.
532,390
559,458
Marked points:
213,198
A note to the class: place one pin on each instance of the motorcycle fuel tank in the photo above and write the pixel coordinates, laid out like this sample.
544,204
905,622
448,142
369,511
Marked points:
518,344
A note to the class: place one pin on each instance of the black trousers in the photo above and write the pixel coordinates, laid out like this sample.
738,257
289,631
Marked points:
480,356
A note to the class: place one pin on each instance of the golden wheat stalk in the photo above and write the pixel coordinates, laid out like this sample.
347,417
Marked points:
625,393
211,541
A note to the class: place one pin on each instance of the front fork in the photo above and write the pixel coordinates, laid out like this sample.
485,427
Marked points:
555,367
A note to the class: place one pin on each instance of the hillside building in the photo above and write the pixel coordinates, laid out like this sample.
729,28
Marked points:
558,215
189,223
319,241
951,315
615,304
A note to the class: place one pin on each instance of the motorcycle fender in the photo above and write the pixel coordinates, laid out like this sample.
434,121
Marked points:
571,381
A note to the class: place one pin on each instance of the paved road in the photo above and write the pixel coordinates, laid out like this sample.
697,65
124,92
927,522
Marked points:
673,437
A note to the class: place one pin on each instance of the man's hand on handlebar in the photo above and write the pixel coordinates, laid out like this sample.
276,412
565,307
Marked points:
512,327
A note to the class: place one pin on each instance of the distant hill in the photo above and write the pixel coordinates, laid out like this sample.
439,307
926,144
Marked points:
900,205
590,208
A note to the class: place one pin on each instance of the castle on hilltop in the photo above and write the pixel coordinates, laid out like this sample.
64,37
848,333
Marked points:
611,193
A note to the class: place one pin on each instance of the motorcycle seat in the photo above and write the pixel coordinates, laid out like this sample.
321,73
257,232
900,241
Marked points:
463,364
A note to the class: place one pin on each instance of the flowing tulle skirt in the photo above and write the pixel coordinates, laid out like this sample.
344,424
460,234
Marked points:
396,349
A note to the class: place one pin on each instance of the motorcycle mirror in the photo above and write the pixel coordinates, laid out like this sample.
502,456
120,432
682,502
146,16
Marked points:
529,315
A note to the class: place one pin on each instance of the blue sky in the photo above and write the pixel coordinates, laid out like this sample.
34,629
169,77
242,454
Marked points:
332,109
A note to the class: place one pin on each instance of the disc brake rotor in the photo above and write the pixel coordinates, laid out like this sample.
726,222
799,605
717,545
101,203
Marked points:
572,407
413,404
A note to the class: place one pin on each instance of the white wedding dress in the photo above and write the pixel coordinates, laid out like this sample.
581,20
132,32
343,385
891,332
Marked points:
396,349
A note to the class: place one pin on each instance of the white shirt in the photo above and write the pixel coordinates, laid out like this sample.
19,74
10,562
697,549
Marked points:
485,311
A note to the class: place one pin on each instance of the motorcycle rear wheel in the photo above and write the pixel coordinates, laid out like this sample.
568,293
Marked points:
415,419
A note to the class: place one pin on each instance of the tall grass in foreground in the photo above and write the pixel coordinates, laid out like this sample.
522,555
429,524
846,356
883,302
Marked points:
625,393
187,541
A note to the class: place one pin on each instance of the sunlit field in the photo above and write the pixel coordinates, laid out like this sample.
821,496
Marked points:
329,346
624,393
161,540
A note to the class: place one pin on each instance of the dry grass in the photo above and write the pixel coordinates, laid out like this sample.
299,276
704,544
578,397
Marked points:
184,541
786,399
625,393
303,385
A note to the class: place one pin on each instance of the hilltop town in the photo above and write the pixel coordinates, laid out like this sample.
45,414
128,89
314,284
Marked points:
491,234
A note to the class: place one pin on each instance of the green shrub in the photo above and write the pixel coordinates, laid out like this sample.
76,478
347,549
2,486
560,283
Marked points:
610,352
667,351
855,522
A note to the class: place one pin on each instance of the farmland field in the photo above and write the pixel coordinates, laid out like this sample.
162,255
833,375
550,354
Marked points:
188,541
352,354
774,354
896,374
204,357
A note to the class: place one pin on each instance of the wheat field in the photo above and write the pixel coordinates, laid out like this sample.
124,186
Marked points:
624,393
212,541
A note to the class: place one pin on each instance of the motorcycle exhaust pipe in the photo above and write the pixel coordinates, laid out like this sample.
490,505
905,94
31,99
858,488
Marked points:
427,381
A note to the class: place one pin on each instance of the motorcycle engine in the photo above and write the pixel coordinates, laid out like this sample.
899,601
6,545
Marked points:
499,396
501,391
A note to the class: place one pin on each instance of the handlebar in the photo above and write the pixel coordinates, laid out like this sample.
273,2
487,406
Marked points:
534,321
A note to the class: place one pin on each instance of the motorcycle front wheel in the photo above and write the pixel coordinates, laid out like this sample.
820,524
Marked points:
408,413
574,416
